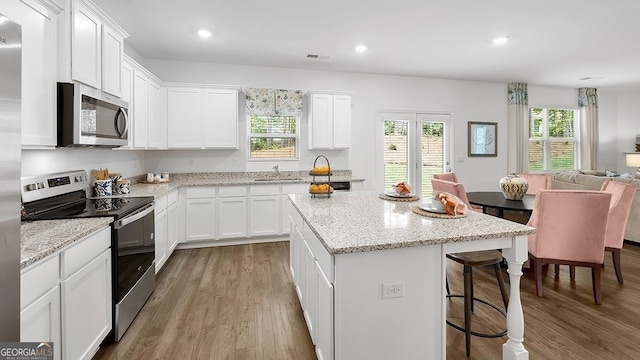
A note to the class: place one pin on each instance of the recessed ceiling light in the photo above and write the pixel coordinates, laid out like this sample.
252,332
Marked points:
501,40
361,48
204,33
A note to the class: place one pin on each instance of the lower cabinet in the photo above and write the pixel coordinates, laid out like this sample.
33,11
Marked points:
232,210
166,227
264,208
200,216
173,221
312,277
66,298
86,308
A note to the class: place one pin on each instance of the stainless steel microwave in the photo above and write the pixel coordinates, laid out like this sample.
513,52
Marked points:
90,117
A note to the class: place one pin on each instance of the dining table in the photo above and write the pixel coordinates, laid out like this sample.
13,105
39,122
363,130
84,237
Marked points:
495,200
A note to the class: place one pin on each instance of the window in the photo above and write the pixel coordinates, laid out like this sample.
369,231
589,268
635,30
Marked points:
553,139
415,148
273,137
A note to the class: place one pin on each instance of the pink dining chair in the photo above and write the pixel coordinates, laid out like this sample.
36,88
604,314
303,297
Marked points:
450,176
621,198
570,230
454,188
537,182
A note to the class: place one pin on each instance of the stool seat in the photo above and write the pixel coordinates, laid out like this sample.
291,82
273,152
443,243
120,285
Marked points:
477,258
470,260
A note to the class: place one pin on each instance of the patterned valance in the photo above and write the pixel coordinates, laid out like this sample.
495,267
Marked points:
517,93
587,97
269,102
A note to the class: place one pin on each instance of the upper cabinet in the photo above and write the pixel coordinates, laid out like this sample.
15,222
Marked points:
329,121
38,19
142,90
91,47
202,118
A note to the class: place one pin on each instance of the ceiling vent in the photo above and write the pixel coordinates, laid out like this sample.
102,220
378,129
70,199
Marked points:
319,57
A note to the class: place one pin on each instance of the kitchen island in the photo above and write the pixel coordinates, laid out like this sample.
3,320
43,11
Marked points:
370,274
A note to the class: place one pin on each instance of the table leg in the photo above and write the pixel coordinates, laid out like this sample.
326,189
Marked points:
514,349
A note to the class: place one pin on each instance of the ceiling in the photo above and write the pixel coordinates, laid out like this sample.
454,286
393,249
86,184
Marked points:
552,42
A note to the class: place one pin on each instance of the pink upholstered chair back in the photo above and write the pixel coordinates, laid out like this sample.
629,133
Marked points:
537,182
450,176
454,188
621,198
570,225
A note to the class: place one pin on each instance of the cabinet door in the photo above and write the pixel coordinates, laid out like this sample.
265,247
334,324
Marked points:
232,217
324,316
320,121
39,70
154,123
309,306
173,219
285,203
86,46
140,99
161,239
264,219
127,95
300,270
40,321
200,219
112,44
341,121
86,308
220,118
184,118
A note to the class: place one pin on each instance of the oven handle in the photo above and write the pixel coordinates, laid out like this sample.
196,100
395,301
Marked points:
135,216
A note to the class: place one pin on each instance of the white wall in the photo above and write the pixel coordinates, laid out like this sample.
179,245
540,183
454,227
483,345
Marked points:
628,124
38,162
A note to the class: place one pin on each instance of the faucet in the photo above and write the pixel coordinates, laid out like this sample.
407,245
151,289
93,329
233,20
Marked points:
276,169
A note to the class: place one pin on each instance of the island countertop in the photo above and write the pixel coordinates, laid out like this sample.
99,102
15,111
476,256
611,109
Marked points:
361,221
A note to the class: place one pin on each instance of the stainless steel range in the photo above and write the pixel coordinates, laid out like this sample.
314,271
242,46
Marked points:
63,196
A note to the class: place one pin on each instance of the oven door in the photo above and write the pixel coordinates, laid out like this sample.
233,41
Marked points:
134,249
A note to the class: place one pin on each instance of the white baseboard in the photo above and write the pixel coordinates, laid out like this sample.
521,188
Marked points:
230,242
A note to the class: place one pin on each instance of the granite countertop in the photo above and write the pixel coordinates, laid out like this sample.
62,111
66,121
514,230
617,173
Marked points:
40,239
360,221
235,179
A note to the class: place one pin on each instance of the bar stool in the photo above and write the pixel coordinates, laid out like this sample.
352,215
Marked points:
469,260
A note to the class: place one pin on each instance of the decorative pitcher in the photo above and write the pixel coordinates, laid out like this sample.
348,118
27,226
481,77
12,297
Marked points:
514,187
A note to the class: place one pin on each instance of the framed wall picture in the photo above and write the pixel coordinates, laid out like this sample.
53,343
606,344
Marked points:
483,139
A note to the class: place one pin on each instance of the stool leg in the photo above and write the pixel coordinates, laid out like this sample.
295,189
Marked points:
473,308
446,279
468,301
503,290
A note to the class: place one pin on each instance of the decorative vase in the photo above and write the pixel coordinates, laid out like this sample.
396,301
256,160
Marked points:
514,187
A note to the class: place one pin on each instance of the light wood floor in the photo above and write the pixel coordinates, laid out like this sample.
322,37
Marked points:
238,302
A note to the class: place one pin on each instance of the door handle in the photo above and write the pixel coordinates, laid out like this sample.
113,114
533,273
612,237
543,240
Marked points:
126,123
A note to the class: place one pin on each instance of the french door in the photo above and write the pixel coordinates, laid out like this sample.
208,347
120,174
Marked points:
416,146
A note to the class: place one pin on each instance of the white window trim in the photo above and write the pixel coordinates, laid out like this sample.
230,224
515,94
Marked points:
295,136
546,162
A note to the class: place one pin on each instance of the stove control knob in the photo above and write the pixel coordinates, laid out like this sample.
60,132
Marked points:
31,187
40,185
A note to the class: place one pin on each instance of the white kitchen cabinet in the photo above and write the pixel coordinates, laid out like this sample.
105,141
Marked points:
264,210
357,186
39,40
148,129
112,52
183,118
232,210
220,118
127,95
200,213
161,233
329,121
173,222
324,316
40,303
202,118
154,121
91,47
310,289
86,46
140,100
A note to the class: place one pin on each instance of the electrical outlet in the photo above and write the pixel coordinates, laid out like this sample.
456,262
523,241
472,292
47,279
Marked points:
394,290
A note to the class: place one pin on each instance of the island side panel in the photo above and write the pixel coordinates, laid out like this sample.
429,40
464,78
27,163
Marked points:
408,327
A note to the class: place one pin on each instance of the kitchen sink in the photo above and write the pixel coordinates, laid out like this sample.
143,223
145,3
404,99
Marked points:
278,179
